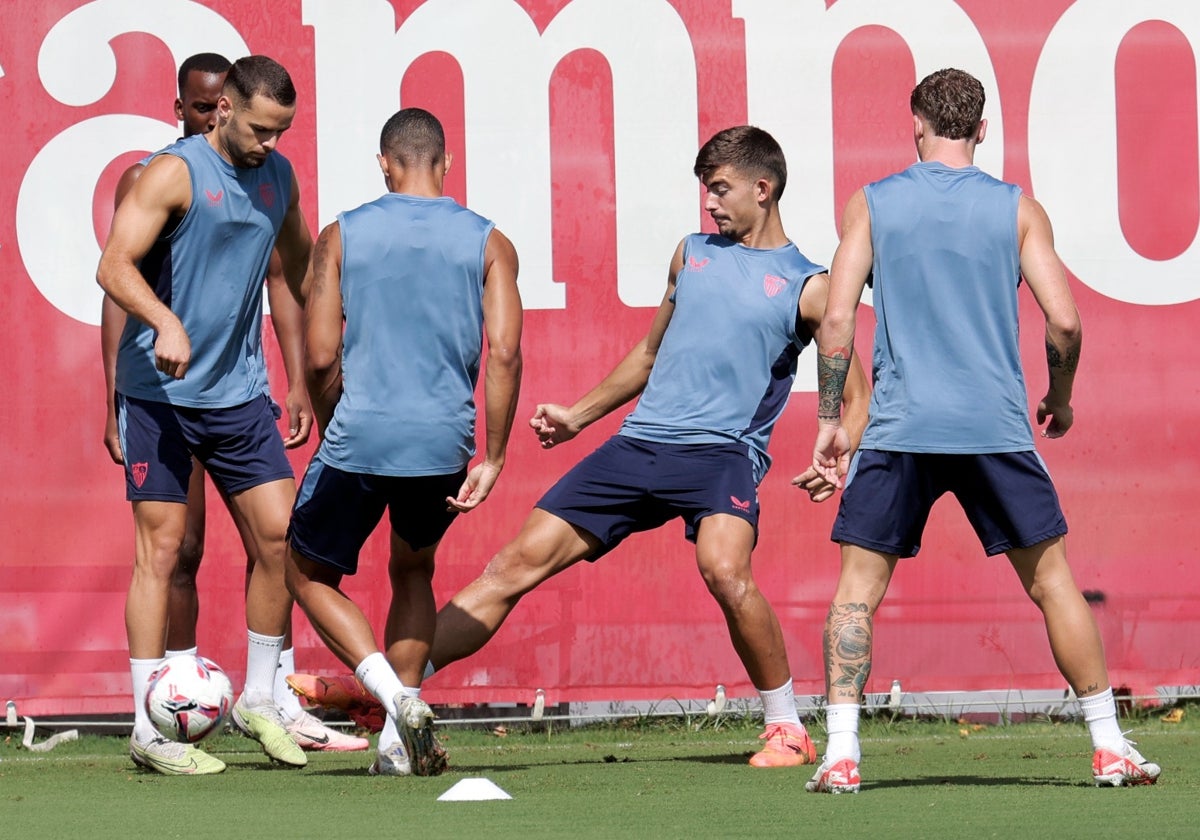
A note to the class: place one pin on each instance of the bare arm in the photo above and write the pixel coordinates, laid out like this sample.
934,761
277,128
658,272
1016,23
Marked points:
856,393
502,321
323,326
112,324
287,317
848,276
1044,273
294,245
163,190
556,424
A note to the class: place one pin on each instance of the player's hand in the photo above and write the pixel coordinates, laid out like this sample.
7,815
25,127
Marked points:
173,350
553,424
479,483
816,485
1061,416
300,418
831,453
112,440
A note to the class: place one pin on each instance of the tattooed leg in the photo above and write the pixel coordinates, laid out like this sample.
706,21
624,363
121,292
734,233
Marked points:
848,627
847,652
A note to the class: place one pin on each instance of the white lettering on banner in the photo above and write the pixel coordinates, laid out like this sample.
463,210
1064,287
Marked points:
506,69
1074,97
790,48
54,207
77,67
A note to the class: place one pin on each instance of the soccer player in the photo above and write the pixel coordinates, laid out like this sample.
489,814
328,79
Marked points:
714,374
200,79
947,246
186,257
417,279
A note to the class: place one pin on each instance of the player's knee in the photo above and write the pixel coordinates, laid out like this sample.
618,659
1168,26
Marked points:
728,580
516,569
191,552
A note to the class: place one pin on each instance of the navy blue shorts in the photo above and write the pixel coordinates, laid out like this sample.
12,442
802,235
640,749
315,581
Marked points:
239,446
336,511
1008,498
630,485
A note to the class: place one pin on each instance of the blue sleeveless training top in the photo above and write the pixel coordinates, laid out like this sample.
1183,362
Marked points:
412,295
947,366
209,270
725,368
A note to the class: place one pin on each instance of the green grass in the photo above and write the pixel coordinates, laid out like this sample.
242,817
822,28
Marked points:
640,778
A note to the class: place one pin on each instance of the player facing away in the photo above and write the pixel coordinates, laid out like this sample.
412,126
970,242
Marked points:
201,78
714,374
186,257
947,246
417,280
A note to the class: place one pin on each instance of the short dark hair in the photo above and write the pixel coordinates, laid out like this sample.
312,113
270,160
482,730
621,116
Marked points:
747,148
414,137
951,101
258,75
209,63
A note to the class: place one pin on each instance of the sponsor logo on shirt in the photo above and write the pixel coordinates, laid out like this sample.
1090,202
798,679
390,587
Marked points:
267,193
214,198
696,265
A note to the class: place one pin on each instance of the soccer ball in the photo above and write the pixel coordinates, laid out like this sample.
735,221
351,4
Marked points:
188,698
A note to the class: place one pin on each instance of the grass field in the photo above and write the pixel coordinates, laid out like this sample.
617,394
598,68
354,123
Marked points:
641,778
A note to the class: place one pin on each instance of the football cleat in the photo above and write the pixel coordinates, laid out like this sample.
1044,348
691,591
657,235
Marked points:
392,761
343,693
840,777
788,745
265,724
311,734
173,759
1112,768
426,756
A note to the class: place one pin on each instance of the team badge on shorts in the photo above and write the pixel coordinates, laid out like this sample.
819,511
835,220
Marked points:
139,473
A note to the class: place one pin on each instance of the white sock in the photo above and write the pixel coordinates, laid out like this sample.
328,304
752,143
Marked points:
779,705
377,677
192,651
1100,712
141,669
285,699
841,721
262,661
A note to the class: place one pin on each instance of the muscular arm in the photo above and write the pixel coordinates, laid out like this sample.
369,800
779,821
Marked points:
294,245
835,337
163,190
502,322
112,324
287,317
556,424
1044,273
323,326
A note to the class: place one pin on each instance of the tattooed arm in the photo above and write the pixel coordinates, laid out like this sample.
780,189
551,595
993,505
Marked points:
835,341
1044,273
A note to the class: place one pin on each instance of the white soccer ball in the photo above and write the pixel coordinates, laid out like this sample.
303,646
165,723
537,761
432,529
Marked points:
189,698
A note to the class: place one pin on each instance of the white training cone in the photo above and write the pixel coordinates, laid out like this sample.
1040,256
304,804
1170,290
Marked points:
473,790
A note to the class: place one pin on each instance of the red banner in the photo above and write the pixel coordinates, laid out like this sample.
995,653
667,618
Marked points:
574,124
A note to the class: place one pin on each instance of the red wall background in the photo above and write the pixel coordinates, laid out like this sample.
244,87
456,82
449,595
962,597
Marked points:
639,624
